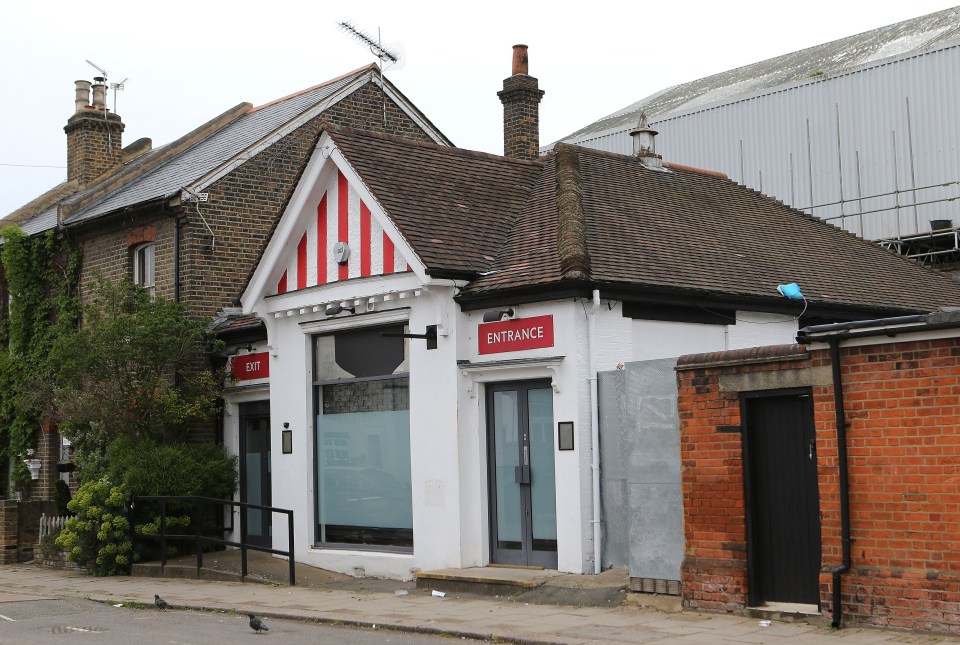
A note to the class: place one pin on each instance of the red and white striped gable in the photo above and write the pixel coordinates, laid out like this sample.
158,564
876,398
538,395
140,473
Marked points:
340,216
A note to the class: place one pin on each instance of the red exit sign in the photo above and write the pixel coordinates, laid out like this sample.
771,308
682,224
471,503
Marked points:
515,335
250,366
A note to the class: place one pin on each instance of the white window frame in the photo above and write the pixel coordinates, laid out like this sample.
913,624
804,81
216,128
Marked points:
145,266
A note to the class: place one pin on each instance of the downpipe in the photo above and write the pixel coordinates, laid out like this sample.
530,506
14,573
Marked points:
595,432
845,563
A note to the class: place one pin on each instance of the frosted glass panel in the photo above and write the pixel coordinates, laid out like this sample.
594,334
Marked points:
507,442
366,469
542,473
364,492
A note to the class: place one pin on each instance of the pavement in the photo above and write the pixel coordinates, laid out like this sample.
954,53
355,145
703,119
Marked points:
402,606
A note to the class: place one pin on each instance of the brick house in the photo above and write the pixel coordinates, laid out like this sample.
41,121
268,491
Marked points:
188,219
824,475
425,394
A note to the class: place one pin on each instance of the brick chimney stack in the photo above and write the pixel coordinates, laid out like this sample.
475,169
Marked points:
521,110
94,144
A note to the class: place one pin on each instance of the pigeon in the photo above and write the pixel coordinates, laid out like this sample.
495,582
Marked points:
256,624
159,602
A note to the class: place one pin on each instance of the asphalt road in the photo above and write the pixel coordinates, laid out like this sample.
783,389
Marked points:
65,621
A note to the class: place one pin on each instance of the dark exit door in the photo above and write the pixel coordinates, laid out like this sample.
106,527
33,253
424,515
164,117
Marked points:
523,512
783,503
255,487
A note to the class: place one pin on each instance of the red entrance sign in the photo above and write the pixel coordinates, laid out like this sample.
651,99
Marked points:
515,335
250,366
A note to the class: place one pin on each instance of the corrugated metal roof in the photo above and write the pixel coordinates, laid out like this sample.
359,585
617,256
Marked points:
169,178
922,33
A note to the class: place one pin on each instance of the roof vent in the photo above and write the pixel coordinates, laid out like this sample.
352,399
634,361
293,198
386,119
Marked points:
645,144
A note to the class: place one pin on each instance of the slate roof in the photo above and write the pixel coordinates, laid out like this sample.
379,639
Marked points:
680,233
194,161
922,33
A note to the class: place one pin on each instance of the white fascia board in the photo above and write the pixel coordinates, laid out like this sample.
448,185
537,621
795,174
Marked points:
376,211
342,291
217,173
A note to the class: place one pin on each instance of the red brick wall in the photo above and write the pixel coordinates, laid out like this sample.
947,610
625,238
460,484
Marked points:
902,404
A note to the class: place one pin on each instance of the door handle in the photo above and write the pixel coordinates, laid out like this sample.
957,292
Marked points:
521,474
811,449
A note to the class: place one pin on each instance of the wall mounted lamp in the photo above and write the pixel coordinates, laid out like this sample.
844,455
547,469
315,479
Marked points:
494,316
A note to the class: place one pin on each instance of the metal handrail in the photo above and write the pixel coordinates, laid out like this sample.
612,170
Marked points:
163,536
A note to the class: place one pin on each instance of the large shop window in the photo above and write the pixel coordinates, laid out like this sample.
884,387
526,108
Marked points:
362,443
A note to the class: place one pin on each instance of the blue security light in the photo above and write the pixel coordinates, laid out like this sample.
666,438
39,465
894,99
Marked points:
791,291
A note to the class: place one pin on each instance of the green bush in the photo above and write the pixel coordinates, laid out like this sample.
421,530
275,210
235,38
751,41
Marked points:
99,532
148,468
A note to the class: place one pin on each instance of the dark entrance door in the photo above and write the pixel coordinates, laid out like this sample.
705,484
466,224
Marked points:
523,512
255,469
783,504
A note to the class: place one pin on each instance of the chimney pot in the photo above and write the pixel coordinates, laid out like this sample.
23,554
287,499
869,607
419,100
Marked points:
82,99
100,96
519,59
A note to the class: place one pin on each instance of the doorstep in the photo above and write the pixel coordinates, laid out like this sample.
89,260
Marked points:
607,589
788,612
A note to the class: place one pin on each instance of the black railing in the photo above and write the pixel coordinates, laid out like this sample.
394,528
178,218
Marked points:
200,539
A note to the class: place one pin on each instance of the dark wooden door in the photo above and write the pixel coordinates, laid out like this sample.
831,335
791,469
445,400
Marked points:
783,504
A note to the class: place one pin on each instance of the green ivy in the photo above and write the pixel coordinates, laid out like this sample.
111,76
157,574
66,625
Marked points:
42,273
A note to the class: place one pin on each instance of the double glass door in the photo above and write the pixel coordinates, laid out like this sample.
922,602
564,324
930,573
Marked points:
523,512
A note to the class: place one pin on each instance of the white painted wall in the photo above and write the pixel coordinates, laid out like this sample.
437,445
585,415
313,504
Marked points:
447,411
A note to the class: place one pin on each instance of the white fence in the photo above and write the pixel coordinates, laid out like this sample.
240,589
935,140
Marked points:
52,525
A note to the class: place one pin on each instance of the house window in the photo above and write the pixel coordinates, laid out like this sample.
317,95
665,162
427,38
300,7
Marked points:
144,266
361,393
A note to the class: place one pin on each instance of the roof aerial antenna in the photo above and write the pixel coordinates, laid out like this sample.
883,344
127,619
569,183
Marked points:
391,55
114,86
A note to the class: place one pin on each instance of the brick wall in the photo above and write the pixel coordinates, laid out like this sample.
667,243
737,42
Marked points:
902,404
9,531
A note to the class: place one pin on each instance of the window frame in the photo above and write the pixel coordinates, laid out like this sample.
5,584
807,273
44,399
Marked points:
317,390
144,258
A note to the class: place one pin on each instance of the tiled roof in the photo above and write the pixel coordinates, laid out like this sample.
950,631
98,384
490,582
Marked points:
681,232
699,233
453,206
922,33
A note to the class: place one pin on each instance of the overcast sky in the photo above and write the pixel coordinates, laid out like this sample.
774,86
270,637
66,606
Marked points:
186,62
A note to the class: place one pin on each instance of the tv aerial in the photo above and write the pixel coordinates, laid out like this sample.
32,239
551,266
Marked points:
385,53
103,79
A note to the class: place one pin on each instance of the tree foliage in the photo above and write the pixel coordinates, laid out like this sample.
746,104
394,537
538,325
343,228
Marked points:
133,369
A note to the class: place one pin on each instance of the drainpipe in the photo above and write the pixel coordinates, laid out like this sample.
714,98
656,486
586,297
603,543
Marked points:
176,258
844,481
595,432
